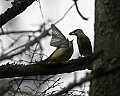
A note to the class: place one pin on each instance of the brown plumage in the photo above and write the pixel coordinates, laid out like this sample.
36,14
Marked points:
64,47
62,54
84,44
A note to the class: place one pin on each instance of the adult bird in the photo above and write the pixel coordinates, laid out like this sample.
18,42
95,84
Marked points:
84,44
64,49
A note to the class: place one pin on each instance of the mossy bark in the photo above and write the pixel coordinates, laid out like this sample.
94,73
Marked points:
107,39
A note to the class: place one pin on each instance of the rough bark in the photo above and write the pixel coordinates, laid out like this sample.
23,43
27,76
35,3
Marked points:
18,6
46,68
107,38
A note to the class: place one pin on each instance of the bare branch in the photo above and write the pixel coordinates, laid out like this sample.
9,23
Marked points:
89,77
75,1
24,47
64,14
40,9
19,32
17,7
47,68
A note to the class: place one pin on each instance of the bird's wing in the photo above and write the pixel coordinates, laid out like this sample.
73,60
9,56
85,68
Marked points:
58,39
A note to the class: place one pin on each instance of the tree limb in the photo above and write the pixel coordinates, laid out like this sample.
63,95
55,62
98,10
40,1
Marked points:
24,47
17,7
98,73
75,1
46,68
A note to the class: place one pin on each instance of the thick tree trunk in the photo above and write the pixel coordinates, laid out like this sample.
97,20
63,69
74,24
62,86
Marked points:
107,38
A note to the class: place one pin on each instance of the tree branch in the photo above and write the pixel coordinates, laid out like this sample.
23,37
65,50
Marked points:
17,7
24,47
46,68
75,1
89,77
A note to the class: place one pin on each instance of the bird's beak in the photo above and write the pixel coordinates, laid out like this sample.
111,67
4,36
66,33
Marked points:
72,33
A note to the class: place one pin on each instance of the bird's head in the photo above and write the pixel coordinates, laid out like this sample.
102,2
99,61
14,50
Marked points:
77,32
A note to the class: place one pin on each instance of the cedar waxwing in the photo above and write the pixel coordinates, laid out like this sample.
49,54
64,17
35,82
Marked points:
58,39
62,54
84,44
64,47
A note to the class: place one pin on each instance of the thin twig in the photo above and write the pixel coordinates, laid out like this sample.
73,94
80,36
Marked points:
40,9
101,72
2,31
64,14
75,1
26,46
18,88
19,32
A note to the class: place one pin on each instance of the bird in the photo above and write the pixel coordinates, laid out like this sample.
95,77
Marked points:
64,48
83,42
62,54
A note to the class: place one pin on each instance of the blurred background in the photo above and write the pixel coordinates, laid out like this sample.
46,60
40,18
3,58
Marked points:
46,12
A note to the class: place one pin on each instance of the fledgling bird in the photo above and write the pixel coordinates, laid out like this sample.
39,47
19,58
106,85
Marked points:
64,49
84,44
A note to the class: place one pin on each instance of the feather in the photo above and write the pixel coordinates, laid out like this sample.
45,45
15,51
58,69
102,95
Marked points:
58,39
